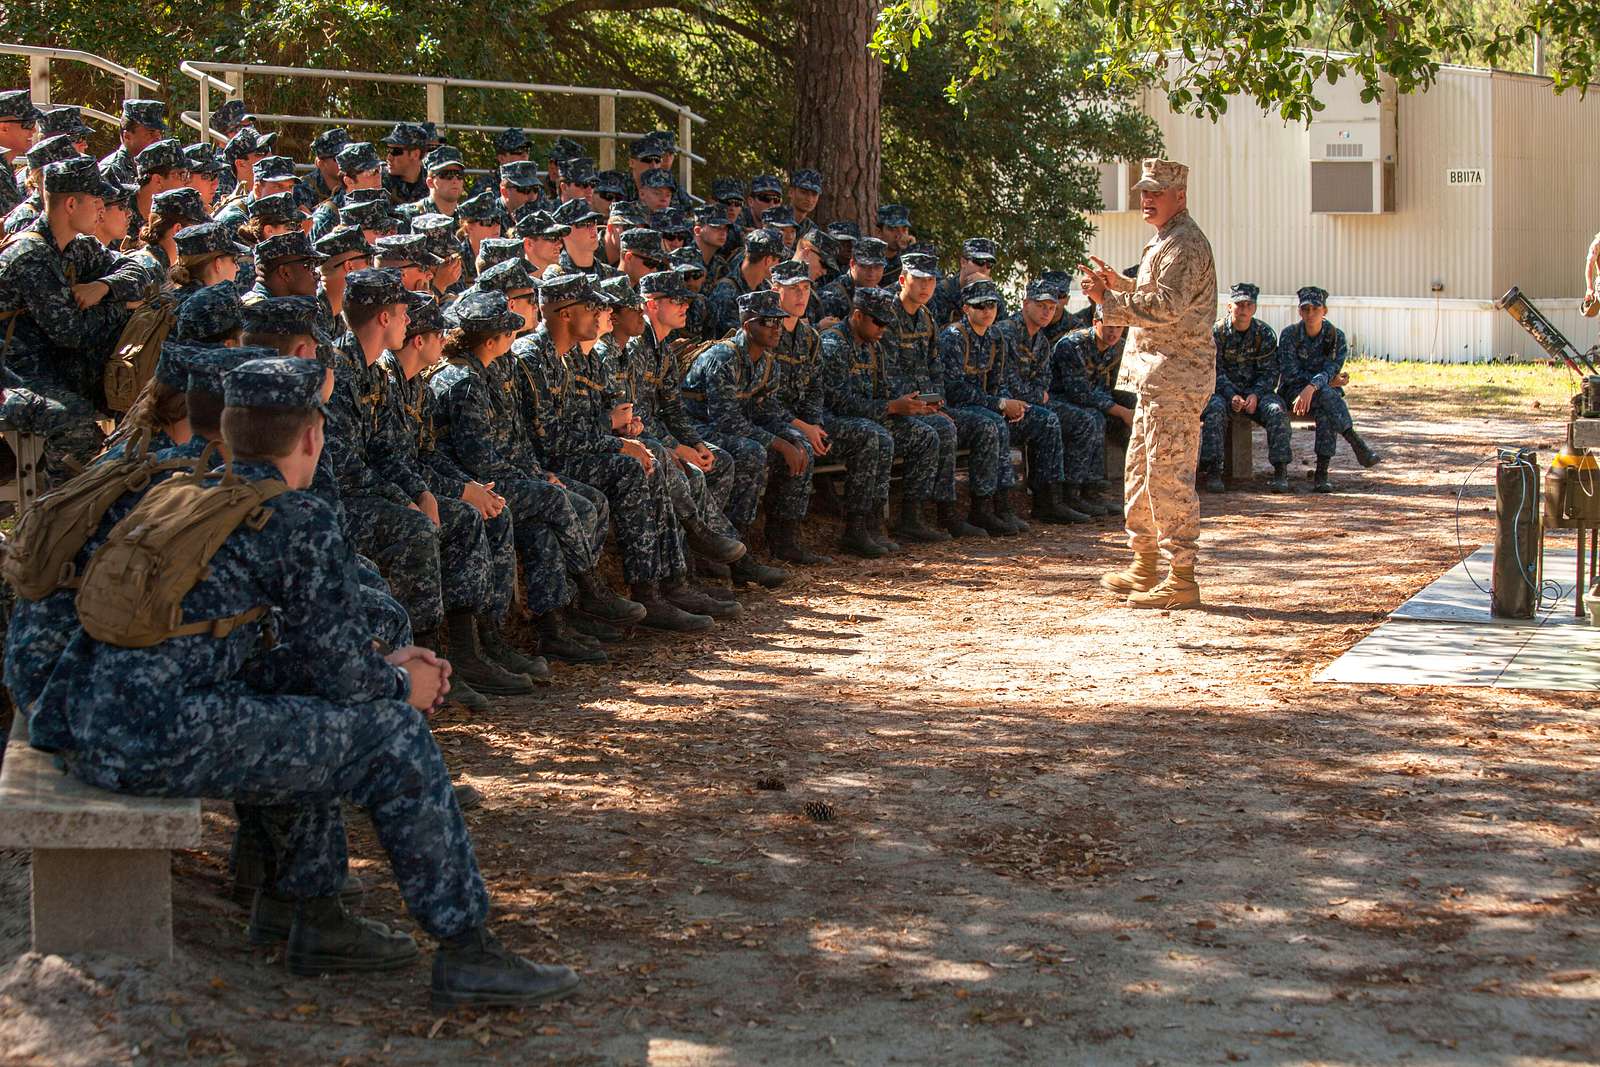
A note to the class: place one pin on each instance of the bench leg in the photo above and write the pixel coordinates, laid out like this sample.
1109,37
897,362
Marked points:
1116,459
103,900
1237,453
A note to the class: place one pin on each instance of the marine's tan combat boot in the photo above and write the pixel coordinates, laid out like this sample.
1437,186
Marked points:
1143,574
1178,590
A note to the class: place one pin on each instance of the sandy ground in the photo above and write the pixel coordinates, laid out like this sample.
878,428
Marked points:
1064,831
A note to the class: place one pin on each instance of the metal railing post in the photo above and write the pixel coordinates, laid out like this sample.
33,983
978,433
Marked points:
608,127
436,103
235,78
205,110
39,79
686,152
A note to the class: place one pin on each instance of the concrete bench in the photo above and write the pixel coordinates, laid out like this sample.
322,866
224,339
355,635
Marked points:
27,449
102,862
1238,444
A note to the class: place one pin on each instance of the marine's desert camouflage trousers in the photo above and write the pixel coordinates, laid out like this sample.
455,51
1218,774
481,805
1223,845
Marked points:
1162,510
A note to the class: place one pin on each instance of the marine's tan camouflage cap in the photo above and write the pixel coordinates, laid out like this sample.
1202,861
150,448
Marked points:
1161,174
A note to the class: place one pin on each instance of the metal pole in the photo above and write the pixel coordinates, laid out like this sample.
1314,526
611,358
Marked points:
436,103
205,111
1538,54
685,147
39,79
608,127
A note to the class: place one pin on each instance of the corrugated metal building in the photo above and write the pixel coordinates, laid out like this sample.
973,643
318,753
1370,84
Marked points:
1415,213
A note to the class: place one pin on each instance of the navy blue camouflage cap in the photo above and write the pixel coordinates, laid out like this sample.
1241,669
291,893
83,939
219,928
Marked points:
16,105
1313,296
478,311
664,285
894,215
208,364
342,243
358,157
203,159
207,238
579,170
281,316
328,143
279,209
373,287
657,178
877,304
209,314
564,290
435,136
645,147
121,194
406,135
564,148
844,230
710,215
484,207
827,245
80,176
537,223
439,232
182,205
669,222
761,243
443,158
151,114
791,272
67,120
229,116
627,213
522,174
1041,290
272,169
761,304
807,179
978,249
291,247
275,382
423,314
919,265
1059,281
492,250
620,291
665,140
1245,291
509,276
577,213
611,184
248,142
980,291
644,242
687,260
163,155
779,216
172,365
368,215
766,183
926,248
511,139
396,249
727,191
55,149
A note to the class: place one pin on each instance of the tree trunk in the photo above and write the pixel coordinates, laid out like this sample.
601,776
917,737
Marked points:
838,96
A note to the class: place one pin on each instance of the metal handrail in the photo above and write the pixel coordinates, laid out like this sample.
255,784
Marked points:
74,55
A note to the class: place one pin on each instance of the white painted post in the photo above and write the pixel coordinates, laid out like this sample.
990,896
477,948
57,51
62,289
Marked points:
685,146
39,79
436,104
608,126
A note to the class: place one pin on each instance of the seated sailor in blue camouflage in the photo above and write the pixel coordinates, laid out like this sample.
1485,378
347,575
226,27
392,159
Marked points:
19,123
710,238
230,117
511,145
655,190
571,418
68,120
575,179
641,253
368,210
864,446
344,251
580,246
912,355
215,718
976,261
469,554
409,254
57,149
671,224
781,219
212,315
624,215
805,189
207,254
541,238
116,217
205,173
521,188
1311,355
748,273
63,302
286,266
817,249
697,324
144,122
240,154
324,180
269,176
170,211
732,390
1084,367
359,168
609,187
857,385
560,532
446,178
478,219
160,167
766,191
1247,384
867,258
406,181
498,250
894,230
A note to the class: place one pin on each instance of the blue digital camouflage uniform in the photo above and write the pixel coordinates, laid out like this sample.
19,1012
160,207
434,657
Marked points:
56,352
405,192
865,447
1247,365
912,360
1316,361
1085,377
976,379
568,413
231,718
1029,373
856,386
945,304
838,296
558,531
722,302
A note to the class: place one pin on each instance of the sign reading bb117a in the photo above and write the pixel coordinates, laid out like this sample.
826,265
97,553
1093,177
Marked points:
1461,176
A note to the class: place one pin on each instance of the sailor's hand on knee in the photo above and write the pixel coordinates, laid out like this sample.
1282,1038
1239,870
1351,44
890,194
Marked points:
640,452
1302,402
1013,410
1251,403
1237,403
1340,380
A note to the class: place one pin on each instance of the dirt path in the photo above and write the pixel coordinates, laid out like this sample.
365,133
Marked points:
1063,831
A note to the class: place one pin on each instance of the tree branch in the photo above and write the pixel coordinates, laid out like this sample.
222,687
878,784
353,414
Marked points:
573,9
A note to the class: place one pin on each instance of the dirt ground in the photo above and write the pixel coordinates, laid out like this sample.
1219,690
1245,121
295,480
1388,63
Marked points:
1063,831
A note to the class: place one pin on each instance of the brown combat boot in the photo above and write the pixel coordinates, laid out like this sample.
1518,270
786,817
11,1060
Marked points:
1178,590
1141,576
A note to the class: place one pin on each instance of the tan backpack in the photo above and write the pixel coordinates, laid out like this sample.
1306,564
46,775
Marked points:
133,362
132,591
48,537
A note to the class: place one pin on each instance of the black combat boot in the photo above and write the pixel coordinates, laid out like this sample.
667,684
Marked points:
1007,514
783,542
1214,479
596,598
1364,455
954,525
663,614
981,514
711,570
493,644
254,867
687,598
912,527
1094,502
1280,478
1320,482
271,919
327,939
475,970
594,629
1048,507
460,691
1070,504
746,570
878,527
706,542
468,665
857,537
559,641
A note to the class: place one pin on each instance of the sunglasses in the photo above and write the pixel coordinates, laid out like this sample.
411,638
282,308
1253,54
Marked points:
767,198
607,197
650,160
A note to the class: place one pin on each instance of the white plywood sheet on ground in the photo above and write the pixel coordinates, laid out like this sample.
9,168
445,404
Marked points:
1456,596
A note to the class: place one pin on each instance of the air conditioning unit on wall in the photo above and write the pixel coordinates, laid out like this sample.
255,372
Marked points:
1353,151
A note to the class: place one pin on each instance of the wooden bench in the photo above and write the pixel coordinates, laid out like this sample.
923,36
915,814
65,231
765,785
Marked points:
102,862
1238,444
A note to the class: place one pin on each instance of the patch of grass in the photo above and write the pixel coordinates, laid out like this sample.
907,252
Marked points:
1460,390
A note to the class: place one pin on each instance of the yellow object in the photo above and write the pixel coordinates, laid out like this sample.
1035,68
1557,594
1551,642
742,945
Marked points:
1584,461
